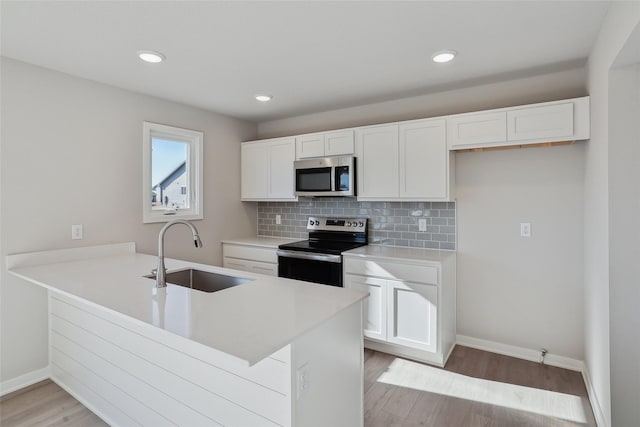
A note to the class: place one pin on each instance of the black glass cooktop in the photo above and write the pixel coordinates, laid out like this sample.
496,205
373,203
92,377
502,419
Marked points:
323,246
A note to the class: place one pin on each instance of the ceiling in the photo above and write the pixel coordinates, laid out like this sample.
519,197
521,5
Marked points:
311,56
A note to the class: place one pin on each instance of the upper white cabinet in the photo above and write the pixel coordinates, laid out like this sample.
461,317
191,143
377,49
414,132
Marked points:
476,128
552,121
377,167
409,161
325,144
267,170
425,162
547,122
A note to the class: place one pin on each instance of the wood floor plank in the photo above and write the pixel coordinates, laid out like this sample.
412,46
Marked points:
475,389
46,405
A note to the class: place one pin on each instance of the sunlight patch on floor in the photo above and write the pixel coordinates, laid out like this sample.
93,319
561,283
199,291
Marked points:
404,373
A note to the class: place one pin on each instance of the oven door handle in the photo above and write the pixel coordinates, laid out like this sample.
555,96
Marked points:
309,256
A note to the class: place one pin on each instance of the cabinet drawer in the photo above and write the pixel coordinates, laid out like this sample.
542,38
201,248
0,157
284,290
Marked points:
392,270
265,268
250,253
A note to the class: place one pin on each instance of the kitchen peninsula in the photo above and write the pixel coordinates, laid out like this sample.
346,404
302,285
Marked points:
269,352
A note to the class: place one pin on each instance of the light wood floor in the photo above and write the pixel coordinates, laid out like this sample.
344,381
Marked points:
476,389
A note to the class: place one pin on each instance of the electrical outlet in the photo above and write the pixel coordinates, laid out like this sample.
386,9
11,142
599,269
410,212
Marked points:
278,219
422,224
525,229
302,377
76,231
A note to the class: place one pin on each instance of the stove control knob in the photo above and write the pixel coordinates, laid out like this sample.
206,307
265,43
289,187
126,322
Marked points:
310,222
317,222
361,224
348,223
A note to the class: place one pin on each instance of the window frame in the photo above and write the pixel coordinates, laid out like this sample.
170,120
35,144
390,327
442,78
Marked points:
194,169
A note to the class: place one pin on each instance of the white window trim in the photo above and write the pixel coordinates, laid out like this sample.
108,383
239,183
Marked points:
194,172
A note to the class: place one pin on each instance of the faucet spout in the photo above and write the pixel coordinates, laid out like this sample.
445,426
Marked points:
161,271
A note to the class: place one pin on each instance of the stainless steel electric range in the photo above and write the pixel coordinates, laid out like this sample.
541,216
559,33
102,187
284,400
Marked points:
319,259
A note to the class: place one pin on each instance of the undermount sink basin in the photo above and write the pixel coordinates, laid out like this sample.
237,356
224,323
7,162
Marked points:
204,281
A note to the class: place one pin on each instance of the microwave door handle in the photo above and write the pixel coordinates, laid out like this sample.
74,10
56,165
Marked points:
333,178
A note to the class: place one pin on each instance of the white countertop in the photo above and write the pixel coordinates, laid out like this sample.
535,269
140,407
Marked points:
399,253
249,321
263,241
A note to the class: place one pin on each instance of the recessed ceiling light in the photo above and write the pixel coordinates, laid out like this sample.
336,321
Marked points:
151,56
444,56
264,98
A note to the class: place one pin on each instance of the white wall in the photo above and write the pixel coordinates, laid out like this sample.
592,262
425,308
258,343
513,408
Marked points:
521,292
548,87
72,154
617,26
624,274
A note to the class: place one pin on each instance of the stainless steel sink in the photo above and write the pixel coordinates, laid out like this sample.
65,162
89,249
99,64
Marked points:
204,281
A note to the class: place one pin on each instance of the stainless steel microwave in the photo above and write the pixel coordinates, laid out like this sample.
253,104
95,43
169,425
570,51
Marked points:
326,176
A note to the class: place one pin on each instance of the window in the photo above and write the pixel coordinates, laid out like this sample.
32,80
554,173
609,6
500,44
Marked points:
172,173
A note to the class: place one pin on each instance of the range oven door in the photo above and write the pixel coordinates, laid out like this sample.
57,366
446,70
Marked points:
311,267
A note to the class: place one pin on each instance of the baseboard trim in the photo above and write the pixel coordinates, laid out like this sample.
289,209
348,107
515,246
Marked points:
24,380
593,399
520,352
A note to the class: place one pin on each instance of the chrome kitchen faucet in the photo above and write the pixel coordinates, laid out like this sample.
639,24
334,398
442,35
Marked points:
161,272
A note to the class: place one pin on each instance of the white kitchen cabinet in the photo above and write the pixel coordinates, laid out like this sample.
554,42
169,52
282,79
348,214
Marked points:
412,314
547,122
409,161
267,170
426,166
411,308
375,307
476,129
325,144
377,167
551,121
256,259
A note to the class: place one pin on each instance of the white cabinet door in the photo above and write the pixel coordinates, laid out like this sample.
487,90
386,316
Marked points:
412,314
476,129
375,306
310,146
281,155
541,123
377,151
424,160
325,144
339,143
254,170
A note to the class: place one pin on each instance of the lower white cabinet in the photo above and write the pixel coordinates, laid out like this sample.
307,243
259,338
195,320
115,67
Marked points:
410,310
412,314
255,259
375,307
